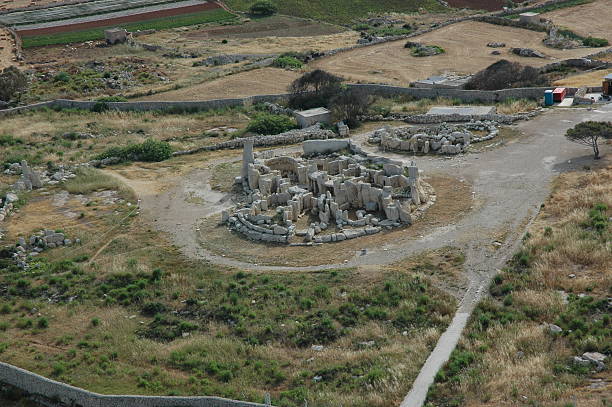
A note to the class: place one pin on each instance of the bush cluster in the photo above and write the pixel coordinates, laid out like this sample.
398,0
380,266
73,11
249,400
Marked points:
595,42
287,62
263,8
267,124
151,150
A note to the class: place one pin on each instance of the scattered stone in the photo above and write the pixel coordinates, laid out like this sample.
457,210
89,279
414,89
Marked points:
317,348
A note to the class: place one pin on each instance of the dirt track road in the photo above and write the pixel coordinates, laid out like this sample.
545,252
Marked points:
510,182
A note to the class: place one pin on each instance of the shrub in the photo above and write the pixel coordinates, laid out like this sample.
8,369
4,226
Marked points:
287,62
505,74
266,123
263,8
8,140
61,77
42,323
12,83
150,150
595,42
95,321
314,89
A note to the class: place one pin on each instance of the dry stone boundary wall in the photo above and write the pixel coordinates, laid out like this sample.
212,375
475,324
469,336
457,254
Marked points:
372,89
57,393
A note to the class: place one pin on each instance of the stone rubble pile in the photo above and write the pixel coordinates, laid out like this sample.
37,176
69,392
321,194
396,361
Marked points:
31,179
450,118
37,243
527,52
328,187
442,139
596,359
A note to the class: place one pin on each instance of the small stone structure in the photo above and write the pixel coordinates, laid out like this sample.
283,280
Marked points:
115,36
529,18
346,193
307,118
441,139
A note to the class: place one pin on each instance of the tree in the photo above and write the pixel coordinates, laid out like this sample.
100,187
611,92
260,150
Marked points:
587,133
348,104
314,89
12,83
263,8
505,74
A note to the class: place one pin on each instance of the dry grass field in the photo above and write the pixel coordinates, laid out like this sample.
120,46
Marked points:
584,79
466,52
265,81
560,276
592,19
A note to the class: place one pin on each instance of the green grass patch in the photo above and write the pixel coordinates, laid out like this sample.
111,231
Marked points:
342,11
209,16
90,179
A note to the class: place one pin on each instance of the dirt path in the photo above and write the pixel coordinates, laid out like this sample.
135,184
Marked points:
509,182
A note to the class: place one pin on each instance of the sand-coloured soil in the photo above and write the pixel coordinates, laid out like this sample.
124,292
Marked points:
591,19
265,81
466,52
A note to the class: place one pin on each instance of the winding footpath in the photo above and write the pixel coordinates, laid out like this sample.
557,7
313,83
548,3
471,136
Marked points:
509,184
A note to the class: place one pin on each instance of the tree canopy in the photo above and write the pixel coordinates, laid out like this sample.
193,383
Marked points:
314,89
263,8
588,134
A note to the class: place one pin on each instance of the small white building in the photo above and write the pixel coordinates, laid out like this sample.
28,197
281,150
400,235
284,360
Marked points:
307,118
529,18
115,36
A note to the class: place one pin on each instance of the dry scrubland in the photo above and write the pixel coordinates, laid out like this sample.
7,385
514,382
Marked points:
466,52
264,81
53,136
586,20
561,276
100,315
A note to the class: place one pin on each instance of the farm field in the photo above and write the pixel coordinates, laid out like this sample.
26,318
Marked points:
14,4
264,81
585,79
344,11
466,52
586,20
158,23
489,5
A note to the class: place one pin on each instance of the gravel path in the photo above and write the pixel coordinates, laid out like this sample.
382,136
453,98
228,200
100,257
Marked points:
509,184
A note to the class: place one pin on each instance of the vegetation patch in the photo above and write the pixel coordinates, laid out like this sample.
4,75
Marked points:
150,150
510,351
209,16
268,124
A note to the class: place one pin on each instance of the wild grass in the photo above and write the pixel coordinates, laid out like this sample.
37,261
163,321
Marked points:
420,106
88,180
192,328
561,276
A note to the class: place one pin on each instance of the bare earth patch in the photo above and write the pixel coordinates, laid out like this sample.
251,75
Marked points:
454,200
466,52
265,81
586,20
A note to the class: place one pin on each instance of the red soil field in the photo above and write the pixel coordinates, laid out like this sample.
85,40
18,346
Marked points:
489,5
119,20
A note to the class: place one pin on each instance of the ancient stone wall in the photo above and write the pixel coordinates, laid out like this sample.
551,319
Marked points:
74,396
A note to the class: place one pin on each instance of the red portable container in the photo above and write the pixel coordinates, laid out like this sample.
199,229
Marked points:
559,94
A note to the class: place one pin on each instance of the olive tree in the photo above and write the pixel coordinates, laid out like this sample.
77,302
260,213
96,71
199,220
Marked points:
588,134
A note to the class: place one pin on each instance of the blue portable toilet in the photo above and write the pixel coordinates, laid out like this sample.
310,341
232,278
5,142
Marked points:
548,98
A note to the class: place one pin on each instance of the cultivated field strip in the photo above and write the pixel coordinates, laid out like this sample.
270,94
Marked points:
108,16
91,8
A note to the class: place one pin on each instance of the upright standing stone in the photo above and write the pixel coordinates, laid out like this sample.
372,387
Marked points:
247,158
